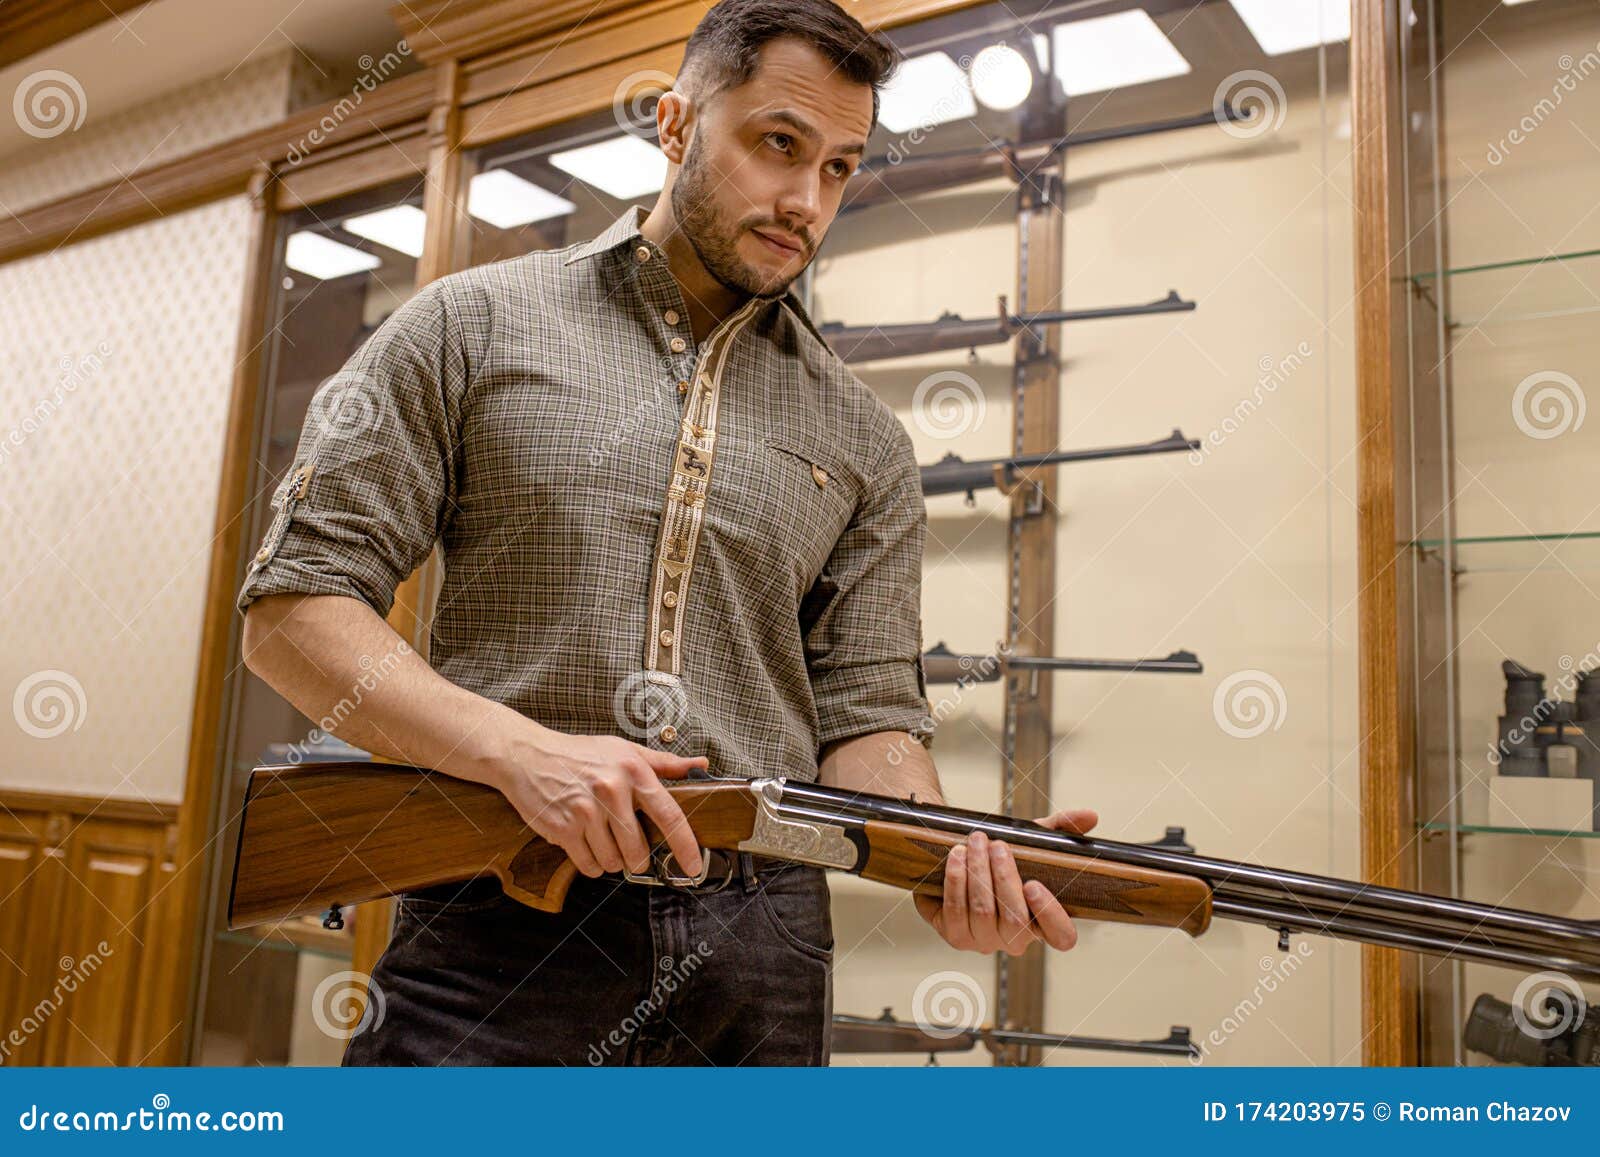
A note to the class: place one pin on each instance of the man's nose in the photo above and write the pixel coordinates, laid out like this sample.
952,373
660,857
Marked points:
801,203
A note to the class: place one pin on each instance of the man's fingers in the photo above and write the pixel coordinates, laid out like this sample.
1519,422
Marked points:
657,803
980,895
628,833
670,766
957,929
1054,924
577,849
602,843
1010,904
1076,821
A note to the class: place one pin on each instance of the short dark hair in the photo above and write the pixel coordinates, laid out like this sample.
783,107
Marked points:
725,47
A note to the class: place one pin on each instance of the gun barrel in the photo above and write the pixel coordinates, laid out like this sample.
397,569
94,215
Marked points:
883,179
1286,901
869,343
954,475
948,667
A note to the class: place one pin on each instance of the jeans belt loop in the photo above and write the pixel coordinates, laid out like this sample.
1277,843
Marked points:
747,872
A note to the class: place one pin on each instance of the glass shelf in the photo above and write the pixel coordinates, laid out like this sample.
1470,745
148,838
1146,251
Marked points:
1486,829
1524,289
1575,551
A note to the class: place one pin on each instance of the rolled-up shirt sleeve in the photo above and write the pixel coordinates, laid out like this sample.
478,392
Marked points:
373,475
863,620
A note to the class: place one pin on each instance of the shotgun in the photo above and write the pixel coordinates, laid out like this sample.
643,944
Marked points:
885,1034
942,665
953,474
317,837
893,177
951,331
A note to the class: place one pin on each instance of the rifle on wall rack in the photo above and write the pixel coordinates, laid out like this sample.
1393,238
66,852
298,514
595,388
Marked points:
942,665
885,1034
883,179
953,474
950,331
320,836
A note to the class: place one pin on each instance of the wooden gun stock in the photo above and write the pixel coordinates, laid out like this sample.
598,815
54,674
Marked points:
319,835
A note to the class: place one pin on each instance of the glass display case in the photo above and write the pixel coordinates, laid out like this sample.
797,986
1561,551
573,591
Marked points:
267,993
1507,534
1182,173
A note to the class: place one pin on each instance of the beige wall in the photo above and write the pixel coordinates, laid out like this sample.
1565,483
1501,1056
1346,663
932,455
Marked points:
1246,557
116,361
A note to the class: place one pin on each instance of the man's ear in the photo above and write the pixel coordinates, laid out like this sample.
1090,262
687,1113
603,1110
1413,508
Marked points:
675,116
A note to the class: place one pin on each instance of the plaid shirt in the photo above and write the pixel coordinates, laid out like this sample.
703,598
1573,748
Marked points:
528,414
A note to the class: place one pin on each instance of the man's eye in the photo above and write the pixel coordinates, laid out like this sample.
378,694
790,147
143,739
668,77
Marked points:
781,140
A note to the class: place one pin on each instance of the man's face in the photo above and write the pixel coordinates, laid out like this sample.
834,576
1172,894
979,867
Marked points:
766,165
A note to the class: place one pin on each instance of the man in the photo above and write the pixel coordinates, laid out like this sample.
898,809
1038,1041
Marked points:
669,512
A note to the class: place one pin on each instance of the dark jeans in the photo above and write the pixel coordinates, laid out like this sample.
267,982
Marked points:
625,974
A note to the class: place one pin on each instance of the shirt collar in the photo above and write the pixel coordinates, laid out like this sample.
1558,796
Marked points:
625,231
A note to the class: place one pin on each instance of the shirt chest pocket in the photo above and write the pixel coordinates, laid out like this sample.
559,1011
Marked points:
809,497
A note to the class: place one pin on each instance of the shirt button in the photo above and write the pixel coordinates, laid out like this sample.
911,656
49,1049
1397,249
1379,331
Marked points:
669,734
683,387
263,554
672,316
819,475
670,598
666,638
678,345
642,254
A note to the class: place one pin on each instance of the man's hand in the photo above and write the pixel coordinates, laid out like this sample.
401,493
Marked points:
987,908
581,792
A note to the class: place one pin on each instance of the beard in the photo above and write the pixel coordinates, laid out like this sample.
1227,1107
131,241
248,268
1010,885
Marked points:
716,241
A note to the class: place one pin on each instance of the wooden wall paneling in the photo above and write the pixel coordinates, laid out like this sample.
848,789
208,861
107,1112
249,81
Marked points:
30,26
218,171
1385,578
82,924
173,999
112,935
439,30
30,888
353,167
1030,624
